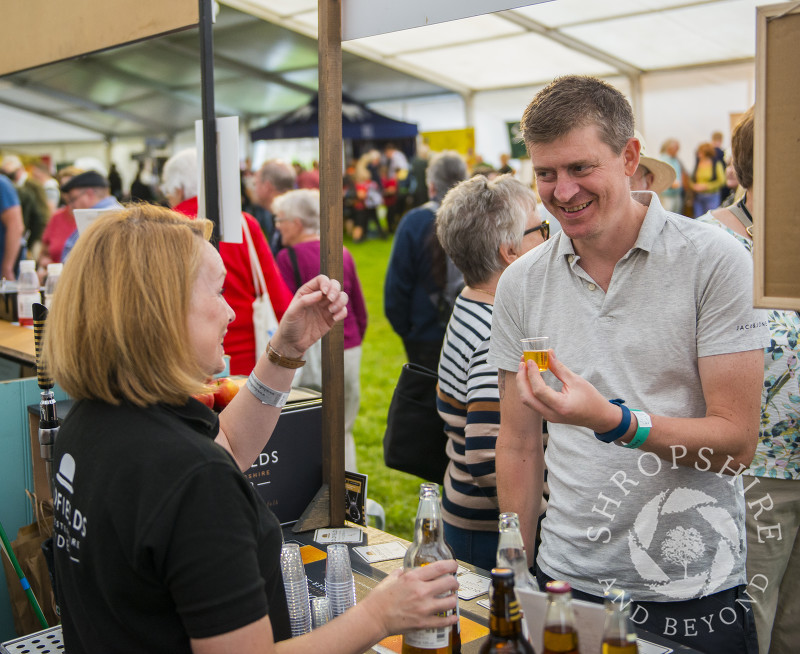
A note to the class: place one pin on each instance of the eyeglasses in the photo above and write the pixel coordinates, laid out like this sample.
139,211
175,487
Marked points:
72,198
544,227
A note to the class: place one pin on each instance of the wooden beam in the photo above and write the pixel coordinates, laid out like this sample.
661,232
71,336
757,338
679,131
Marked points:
330,164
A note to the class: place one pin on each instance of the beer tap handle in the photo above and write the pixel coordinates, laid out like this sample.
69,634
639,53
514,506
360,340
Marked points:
39,318
48,416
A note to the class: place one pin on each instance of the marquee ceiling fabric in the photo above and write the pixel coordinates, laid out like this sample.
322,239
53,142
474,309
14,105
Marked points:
265,60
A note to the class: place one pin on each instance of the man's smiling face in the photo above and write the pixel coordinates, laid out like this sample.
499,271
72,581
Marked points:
582,182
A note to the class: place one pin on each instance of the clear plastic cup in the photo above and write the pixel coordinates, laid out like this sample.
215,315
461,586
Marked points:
296,586
340,587
320,611
536,349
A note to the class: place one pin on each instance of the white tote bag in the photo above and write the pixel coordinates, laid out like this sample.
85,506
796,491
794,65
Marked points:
264,321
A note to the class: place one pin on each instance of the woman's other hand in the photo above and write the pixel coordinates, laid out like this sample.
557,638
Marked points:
415,599
316,306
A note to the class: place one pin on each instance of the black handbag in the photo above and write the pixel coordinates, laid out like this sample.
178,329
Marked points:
415,440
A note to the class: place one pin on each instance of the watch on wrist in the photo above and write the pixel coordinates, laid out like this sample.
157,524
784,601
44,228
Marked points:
283,361
620,430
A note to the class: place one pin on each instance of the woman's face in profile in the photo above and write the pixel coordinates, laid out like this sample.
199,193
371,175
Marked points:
209,313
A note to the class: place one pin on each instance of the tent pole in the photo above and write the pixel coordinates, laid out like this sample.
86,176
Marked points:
209,117
327,507
330,133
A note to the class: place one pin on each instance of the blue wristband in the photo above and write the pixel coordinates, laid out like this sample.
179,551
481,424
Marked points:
620,430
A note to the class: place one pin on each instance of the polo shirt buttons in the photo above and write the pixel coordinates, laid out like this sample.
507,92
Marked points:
571,258
591,287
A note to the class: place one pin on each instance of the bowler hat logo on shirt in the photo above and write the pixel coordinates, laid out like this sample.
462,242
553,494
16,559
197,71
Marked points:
66,472
657,533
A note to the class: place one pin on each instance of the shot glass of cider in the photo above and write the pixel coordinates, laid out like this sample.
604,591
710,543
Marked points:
536,349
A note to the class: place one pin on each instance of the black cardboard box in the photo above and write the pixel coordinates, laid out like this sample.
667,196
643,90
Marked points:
288,472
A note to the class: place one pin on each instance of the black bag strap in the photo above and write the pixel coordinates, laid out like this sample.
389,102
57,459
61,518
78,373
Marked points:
295,267
422,370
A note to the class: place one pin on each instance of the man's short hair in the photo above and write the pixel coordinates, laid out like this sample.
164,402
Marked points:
577,101
445,170
278,173
478,216
135,268
742,148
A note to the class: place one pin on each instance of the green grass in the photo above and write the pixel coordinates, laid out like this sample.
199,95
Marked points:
382,358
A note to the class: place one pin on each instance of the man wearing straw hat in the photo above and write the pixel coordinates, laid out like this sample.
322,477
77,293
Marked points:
651,174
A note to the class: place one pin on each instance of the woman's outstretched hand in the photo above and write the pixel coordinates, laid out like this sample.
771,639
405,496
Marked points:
315,308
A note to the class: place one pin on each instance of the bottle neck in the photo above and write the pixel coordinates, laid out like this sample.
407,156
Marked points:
559,611
617,627
428,530
505,619
429,526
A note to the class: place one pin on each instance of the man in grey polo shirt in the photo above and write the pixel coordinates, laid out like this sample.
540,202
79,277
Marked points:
653,309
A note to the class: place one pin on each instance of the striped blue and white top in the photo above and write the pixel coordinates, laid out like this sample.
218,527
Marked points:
469,402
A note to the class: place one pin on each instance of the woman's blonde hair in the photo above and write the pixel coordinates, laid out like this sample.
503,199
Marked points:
117,327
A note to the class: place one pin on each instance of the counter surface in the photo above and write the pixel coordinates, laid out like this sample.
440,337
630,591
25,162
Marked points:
474,618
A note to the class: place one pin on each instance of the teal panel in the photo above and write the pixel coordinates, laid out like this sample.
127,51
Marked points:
16,472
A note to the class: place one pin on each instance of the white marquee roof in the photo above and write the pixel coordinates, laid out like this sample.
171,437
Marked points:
266,61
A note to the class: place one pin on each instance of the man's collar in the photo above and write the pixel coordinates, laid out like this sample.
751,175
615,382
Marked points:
108,202
653,221
651,226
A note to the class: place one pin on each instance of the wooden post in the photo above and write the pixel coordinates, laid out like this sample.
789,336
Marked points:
330,189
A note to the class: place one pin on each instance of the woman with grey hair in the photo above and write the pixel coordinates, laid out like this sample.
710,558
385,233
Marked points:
297,219
483,226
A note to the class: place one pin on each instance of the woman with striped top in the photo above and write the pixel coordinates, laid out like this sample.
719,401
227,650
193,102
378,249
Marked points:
483,225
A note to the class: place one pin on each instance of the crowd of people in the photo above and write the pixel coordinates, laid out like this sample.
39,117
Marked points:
625,460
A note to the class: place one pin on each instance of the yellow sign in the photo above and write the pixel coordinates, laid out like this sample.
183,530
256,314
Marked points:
460,140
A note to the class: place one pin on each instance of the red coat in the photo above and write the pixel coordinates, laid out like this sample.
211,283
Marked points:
240,341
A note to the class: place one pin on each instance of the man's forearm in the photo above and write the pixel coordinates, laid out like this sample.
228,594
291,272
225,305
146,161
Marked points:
520,482
12,220
712,443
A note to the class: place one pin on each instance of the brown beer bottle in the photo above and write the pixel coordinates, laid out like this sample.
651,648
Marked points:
505,619
560,633
428,546
618,634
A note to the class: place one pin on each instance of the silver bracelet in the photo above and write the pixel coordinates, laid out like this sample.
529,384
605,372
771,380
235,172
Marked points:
264,393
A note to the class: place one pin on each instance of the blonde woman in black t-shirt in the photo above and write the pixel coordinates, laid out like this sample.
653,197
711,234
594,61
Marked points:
161,544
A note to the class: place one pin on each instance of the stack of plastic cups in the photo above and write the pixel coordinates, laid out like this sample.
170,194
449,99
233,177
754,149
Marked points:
340,586
320,611
296,586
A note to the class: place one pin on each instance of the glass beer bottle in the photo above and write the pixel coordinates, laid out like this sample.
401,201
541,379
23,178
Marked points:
505,619
560,634
428,546
511,551
618,634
